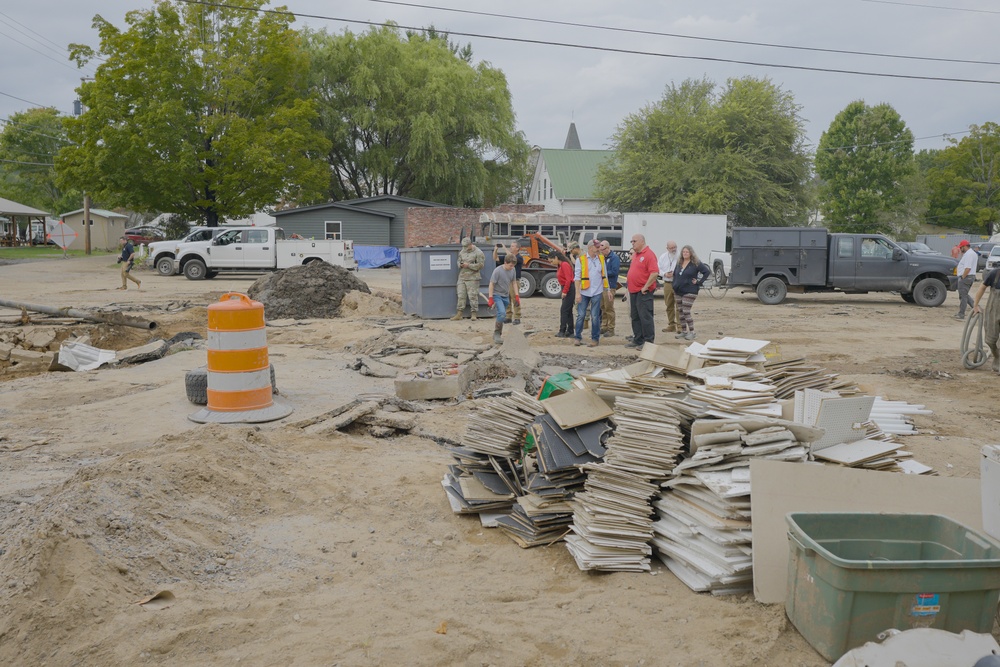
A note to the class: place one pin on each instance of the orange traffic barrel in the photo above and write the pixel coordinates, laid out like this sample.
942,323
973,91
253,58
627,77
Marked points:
239,372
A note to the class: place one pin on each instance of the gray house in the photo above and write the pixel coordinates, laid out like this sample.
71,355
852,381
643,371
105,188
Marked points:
379,221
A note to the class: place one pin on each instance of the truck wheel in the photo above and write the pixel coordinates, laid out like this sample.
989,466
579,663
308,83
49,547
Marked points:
165,266
196,385
720,274
930,293
550,286
526,285
211,274
772,290
194,269
908,298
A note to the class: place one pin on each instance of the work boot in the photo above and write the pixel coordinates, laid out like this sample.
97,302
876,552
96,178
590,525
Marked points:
996,357
474,315
497,333
458,316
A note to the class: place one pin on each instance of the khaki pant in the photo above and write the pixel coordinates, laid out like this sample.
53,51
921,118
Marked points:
126,267
468,294
515,307
671,304
608,313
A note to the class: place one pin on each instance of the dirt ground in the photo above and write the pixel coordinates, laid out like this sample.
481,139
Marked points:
284,548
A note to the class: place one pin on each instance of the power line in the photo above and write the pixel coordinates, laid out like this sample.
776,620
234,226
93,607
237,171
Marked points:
606,49
41,53
21,99
28,129
34,164
914,4
876,144
42,37
636,31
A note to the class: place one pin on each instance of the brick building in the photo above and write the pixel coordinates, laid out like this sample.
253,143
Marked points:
434,226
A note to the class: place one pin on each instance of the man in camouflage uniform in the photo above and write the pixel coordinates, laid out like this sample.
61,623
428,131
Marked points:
470,263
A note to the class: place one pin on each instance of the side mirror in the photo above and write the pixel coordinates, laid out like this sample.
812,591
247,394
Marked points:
898,255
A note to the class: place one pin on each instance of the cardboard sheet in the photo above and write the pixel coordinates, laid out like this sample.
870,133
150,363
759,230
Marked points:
779,488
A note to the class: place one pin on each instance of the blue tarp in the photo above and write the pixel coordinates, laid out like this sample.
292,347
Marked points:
376,256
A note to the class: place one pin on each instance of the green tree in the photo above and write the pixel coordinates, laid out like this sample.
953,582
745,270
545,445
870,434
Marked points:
739,151
411,115
965,182
28,144
198,110
866,162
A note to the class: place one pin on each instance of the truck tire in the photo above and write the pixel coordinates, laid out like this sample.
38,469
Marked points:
772,290
165,266
211,274
908,298
526,285
196,385
930,293
550,286
194,269
719,271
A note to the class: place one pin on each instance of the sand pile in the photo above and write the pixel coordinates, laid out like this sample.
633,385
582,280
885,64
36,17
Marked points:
314,290
172,516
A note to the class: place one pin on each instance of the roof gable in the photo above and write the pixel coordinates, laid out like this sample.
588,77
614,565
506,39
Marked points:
573,173
11,207
334,204
96,211
397,198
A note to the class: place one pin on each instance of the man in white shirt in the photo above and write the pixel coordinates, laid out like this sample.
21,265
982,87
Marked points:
966,277
667,261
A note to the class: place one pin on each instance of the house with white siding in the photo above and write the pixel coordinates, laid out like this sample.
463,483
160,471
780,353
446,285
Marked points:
564,178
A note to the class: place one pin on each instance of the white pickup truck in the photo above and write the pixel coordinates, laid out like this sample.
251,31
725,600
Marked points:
163,253
258,249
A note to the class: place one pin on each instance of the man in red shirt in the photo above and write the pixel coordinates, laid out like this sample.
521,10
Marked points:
642,274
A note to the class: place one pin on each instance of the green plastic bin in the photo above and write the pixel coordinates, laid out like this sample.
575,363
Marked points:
852,576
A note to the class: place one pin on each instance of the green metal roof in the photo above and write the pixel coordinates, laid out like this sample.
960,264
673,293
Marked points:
573,172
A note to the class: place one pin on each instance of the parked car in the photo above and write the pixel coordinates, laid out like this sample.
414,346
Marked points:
983,250
145,235
993,261
917,248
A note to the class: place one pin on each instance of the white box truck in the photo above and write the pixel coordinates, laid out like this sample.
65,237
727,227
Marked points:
703,232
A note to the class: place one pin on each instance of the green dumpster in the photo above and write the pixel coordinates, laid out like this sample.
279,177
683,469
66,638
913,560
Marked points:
852,576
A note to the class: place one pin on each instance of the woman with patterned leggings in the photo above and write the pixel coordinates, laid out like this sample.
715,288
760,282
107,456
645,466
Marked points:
689,275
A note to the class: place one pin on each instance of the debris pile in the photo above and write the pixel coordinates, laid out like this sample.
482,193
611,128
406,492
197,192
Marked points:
383,416
311,291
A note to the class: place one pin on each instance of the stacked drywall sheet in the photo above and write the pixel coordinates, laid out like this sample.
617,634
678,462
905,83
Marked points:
612,517
497,427
794,375
703,531
478,483
730,350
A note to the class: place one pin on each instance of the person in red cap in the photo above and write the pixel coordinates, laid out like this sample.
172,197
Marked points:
966,276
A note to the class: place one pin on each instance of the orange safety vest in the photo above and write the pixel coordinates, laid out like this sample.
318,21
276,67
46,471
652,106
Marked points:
585,269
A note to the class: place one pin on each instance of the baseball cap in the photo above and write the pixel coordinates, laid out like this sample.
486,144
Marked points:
963,243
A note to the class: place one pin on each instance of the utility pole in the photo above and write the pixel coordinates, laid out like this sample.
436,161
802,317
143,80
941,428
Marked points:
86,223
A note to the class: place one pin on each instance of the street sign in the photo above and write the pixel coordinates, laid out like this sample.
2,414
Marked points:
62,234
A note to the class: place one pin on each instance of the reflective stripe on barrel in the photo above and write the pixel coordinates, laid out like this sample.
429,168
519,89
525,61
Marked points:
239,376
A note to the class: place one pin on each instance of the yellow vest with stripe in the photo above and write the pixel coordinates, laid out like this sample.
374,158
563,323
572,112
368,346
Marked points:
585,270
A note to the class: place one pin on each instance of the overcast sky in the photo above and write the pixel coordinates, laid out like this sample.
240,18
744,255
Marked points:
554,85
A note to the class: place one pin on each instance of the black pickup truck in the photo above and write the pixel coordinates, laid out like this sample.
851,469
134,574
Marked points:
778,260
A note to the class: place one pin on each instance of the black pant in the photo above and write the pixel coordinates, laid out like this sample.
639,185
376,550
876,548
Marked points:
640,308
566,322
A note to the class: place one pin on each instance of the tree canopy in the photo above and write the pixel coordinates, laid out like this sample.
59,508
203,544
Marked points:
738,151
200,110
865,159
28,144
964,180
411,115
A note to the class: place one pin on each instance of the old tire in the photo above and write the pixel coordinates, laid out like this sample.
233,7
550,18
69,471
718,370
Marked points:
196,385
908,298
772,290
719,272
930,293
194,269
550,286
165,266
526,285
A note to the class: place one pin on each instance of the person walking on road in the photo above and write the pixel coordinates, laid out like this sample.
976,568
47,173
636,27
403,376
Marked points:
614,264
470,262
991,315
565,276
666,263
499,294
641,283
515,251
591,284
689,275
966,276
127,259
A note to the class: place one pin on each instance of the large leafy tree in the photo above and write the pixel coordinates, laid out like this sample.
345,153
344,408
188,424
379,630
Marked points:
738,151
965,181
200,110
865,159
28,144
411,115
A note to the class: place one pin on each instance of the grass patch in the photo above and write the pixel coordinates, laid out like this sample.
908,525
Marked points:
46,252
